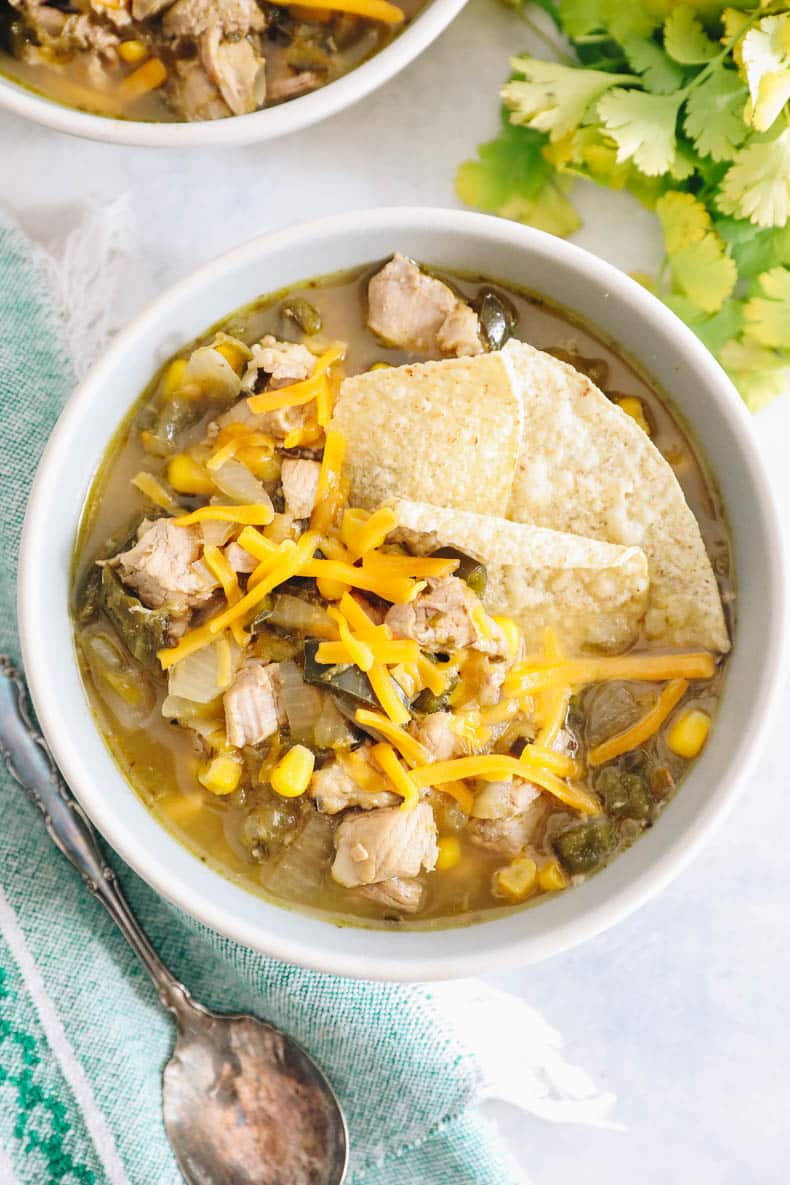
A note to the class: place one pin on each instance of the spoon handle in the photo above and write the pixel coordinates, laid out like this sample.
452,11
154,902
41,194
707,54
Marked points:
30,763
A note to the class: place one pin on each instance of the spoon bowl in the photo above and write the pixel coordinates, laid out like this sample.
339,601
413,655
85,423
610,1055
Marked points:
245,1104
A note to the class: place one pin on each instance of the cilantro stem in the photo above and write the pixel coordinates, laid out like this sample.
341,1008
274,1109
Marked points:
549,42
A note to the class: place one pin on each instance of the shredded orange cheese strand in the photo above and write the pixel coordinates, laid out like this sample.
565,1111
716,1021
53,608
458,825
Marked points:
558,763
222,454
410,749
553,702
461,793
527,678
219,567
419,567
433,676
386,757
294,395
252,515
256,544
399,590
497,767
358,652
637,734
385,691
361,531
153,489
372,10
291,563
386,653
328,496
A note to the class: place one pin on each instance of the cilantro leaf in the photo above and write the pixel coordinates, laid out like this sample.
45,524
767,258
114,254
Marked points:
553,98
754,251
659,73
767,316
685,39
581,17
757,184
684,220
713,331
714,114
759,374
512,178
643,127
703,272
765,54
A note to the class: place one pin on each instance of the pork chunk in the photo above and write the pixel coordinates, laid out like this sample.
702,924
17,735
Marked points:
396,894
440,618
504,800
192,18
281,363
378,845
413,311
236,70
300,485
253,710
240,560
333,790
437,734
509,835
192,94
164,567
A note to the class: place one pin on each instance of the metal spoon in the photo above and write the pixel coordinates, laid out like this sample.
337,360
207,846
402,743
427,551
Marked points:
243,1103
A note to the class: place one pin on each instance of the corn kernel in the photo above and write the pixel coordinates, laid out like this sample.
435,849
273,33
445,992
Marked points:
187,476
291,776
517,880
222,774
688,733
173,377
232,354
132,52
633,408
380,366
551,878
146,78
449,852
512,634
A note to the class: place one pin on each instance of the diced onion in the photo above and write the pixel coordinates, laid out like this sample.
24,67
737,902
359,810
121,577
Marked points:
304,617
301,702
331,729
208,373
196,677
237,482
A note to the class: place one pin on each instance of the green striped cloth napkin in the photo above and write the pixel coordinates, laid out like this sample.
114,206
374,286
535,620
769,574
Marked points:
83,1037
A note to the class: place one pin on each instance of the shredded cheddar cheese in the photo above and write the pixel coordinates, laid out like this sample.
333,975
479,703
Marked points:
410,749
418,567
153,489
637,734
385,691
290,563
496,767
528,678
361,531
400,590
252,515
386,757
329,491
358,651
220,568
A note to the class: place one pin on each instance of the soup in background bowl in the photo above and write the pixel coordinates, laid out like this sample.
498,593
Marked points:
173,73
580,666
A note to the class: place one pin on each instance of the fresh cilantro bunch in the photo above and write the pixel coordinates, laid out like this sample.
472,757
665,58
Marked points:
685,106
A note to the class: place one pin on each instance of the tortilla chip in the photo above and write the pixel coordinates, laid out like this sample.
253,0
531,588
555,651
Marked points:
587,467
443,432
593,594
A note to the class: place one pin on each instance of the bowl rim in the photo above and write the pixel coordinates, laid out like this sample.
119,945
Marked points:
240,130
435,964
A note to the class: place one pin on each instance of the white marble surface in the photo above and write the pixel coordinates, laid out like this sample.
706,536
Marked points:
684,1010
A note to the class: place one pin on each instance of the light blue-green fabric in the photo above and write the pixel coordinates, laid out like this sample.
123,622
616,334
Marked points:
82,1036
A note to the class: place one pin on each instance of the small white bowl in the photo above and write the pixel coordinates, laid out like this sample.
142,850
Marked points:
288,117
601,295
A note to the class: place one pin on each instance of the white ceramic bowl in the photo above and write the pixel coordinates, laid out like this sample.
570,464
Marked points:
498,249
242,129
